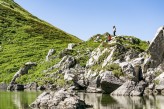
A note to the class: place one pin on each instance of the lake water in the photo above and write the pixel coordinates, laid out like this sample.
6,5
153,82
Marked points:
21,100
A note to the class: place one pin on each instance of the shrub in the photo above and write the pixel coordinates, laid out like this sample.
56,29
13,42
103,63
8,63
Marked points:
103,56
115,68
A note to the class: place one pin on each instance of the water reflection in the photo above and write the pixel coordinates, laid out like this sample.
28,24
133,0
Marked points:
105,101
21,100
17,100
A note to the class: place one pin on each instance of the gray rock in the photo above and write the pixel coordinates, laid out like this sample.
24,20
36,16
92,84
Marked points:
3,86
159,80
61,99
125,89
138,61
70,46
69,74
80,84
131,54
147,64
94,85
139,89
156,47
66,63
130,88
17,87
109,82
93,90
31,86
50,53
151,86
23,70
127,68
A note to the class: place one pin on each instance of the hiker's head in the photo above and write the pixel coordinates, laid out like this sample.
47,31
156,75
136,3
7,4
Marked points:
113,26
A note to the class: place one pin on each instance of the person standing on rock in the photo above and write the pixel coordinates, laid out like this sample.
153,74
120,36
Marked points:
114,30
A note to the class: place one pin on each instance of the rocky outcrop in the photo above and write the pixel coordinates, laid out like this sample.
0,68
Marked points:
23,70
66,63
130,88
50,53
70,46
109,82
62,99
104,82
73,73
156,47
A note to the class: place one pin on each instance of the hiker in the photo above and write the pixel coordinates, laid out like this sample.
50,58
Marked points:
109,38
114,30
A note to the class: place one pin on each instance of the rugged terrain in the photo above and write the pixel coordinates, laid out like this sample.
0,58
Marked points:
36,55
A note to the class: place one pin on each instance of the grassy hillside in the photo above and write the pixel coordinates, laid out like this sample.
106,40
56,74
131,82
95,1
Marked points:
24,37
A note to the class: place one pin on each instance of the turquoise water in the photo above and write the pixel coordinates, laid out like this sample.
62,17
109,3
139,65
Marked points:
21,100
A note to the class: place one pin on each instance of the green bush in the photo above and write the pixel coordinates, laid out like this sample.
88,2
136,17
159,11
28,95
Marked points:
103,56
115,68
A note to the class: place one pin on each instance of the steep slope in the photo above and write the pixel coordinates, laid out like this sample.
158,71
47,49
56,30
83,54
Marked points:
24,37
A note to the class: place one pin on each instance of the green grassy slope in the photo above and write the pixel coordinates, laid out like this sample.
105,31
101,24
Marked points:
24,37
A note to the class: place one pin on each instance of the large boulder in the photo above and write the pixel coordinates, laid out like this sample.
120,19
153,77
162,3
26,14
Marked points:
93,80
104,82
130,88
156,47
62,99
125,89
109,82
